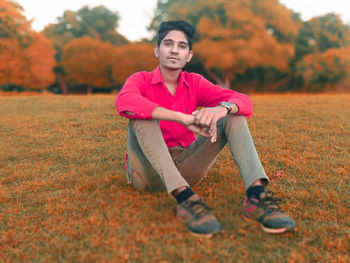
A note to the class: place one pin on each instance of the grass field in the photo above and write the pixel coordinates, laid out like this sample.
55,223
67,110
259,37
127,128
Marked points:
64,196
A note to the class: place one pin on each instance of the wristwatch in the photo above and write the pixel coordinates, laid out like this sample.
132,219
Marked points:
226,105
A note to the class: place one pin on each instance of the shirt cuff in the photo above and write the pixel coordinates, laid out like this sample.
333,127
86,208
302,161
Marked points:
144,112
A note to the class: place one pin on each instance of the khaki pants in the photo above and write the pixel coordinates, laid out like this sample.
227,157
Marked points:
154,167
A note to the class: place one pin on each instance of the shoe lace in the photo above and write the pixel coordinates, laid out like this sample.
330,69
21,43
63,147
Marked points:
198,207
269,202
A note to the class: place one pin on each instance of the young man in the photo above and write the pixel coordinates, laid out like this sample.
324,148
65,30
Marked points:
163,153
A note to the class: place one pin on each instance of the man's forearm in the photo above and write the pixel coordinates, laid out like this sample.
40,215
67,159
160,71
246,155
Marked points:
161,113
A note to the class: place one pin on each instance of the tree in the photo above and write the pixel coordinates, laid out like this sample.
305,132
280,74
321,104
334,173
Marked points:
11,63
234,36
13,25
26,57
98,22
88,62
320,34
325,71
41,61
321,56
12,22
132,58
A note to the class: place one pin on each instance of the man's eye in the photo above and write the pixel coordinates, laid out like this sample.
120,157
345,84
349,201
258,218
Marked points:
167,44
183,46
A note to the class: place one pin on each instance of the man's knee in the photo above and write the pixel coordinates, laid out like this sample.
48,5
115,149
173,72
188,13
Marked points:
140,123
144,126
146,183
232,121
236,120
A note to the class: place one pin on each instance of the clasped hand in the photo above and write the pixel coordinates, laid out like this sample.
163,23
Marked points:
204,121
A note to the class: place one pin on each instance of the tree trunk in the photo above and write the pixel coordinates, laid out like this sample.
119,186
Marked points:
62,84
226,83
89,90
279,83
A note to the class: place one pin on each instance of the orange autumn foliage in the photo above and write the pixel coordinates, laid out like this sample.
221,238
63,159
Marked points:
132,58
10,62
325,70
12,23
235,36
247,38
41,59
26,57
30,67
88,61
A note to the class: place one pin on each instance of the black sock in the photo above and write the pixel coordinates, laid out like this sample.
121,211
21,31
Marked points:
184,195
255,191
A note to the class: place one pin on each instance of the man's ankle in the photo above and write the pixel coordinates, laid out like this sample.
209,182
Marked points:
255,191
178,190
182,194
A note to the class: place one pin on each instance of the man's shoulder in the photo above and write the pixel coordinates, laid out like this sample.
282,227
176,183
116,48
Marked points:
192,74
140,76
192,77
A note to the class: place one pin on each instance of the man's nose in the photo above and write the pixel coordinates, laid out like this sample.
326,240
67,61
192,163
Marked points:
175,49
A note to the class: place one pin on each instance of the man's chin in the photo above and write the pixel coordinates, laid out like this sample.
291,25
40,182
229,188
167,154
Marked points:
172,67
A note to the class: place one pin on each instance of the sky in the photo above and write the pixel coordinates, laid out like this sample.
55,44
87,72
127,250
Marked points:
136,15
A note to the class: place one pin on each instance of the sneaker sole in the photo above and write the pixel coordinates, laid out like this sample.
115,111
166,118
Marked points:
278,231
275,231
210,235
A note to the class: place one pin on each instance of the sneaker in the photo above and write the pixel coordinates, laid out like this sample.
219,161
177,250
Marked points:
195,214
268,214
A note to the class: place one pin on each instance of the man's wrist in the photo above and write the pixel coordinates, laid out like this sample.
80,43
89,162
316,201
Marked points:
231,108
228,106
223,109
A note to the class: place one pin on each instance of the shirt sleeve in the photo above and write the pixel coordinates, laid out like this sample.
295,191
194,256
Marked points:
132,98
210,95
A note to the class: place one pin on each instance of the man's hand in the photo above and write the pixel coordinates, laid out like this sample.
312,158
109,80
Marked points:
189,122
202,122
207,118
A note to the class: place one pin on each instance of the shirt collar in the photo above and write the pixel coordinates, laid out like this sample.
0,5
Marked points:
158,78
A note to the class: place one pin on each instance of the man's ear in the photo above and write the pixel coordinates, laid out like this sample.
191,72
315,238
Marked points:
190,55
156,51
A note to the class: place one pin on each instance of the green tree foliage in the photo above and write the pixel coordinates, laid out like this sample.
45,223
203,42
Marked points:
98,22
322,55
325,71
320,34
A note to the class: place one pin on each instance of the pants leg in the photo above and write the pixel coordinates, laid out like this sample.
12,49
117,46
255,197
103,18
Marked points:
150,165
196,160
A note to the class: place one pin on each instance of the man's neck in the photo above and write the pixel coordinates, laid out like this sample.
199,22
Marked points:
170,76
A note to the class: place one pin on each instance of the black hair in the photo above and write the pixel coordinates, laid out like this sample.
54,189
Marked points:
180,25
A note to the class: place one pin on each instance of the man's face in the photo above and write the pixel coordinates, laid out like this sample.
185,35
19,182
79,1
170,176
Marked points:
173,52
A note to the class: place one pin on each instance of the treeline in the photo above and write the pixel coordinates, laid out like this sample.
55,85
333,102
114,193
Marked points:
250,45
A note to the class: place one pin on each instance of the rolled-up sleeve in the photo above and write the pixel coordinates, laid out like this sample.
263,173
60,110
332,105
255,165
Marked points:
209,95
132,98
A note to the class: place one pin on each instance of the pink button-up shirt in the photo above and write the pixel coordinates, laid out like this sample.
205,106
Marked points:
144,91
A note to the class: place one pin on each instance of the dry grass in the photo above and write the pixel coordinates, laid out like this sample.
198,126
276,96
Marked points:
64,196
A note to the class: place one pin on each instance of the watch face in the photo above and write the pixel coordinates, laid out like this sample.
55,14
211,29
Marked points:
226,105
